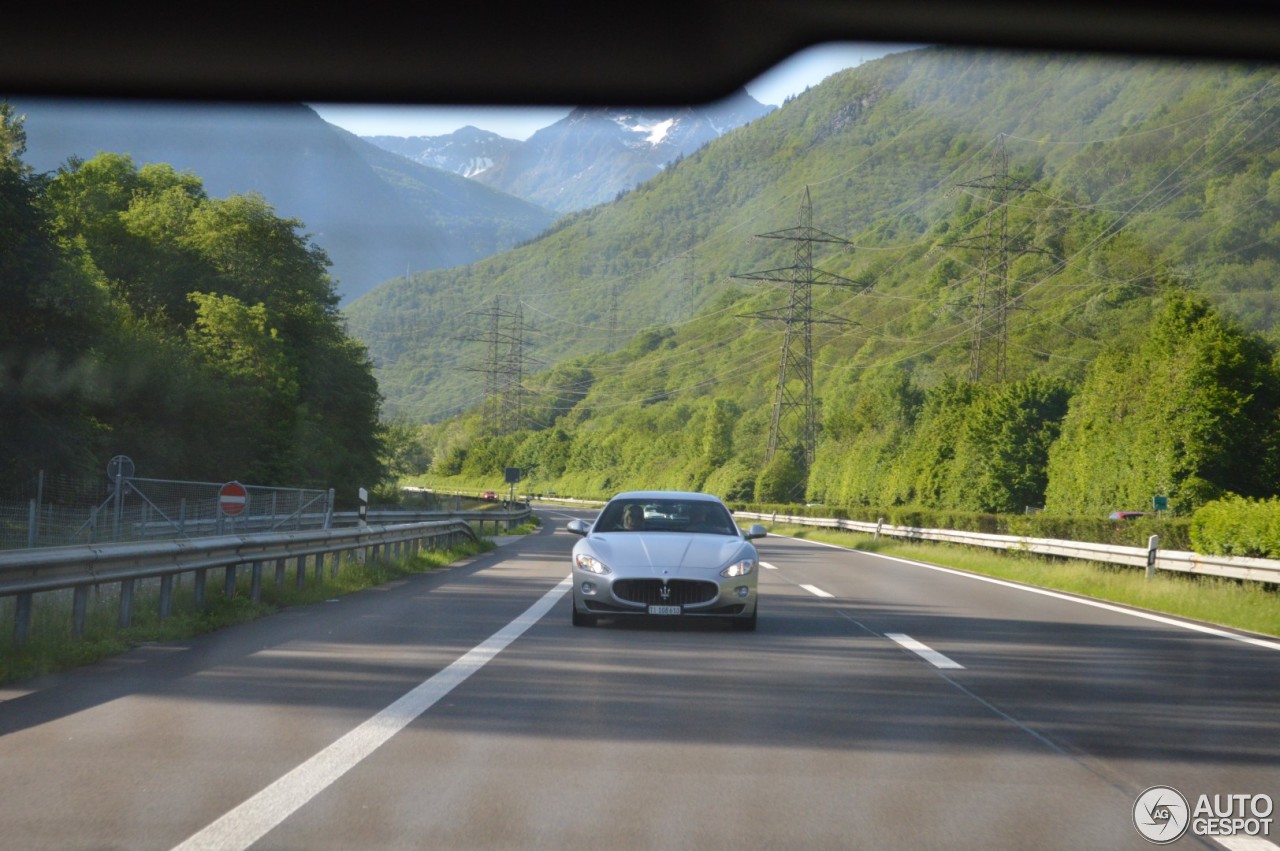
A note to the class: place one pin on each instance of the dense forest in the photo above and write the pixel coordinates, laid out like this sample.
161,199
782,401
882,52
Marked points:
1109,226
199,336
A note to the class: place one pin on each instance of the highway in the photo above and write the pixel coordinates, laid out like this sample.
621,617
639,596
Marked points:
880,704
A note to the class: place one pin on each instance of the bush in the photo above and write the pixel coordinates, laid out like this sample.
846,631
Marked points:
1239,526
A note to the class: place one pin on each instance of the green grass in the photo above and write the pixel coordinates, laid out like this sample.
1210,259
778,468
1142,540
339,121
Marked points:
1251,606
50,646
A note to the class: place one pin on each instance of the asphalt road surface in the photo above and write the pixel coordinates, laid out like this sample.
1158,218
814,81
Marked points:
880,704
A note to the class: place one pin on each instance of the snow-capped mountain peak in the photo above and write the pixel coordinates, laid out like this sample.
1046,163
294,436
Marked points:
586,158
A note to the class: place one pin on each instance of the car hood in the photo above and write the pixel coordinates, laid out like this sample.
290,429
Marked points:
667,553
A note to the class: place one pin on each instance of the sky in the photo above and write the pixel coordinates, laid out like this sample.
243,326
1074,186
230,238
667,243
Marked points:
807,68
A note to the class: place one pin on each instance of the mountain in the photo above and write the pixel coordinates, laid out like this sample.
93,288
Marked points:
1122,176
586,158
375,215
466,151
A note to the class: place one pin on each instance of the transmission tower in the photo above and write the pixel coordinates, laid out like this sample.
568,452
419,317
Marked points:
682,304
613,317
503,366
989,310
793,397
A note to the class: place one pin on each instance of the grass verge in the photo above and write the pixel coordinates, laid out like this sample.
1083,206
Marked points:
1251,606
50,647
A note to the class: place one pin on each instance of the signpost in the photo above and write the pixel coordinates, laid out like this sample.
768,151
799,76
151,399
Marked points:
233,499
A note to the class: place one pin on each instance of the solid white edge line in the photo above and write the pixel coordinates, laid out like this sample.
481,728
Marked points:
250,821
1097,604
767,566
816,591
923,650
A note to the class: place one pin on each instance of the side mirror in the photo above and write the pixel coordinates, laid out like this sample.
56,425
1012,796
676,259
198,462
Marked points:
756,531
578,527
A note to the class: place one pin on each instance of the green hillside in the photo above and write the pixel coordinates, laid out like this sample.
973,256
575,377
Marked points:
1095,204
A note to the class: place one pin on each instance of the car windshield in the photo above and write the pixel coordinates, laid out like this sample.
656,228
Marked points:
666,515
957,361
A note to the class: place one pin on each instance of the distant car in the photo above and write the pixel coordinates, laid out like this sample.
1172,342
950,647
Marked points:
1126,515
665,554
489,495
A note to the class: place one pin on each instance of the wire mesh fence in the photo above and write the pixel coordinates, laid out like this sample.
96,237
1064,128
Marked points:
65,510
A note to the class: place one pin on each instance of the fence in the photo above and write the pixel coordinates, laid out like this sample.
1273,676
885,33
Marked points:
67,511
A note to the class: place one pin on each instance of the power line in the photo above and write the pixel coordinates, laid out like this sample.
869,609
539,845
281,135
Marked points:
503,366
990,306
798,318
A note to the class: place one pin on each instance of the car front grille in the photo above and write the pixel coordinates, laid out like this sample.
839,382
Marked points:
680,592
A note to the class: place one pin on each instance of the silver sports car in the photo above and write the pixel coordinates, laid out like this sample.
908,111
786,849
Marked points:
667,554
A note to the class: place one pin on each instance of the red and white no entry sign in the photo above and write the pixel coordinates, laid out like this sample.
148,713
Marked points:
233,499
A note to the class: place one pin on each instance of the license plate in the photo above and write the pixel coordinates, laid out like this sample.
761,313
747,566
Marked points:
664,610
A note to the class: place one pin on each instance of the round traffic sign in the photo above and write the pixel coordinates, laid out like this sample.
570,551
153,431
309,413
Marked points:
120,467
233,499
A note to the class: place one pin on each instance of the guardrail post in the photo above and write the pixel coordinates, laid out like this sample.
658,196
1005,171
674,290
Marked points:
79,609
879,525
280,572
166,595
229,581
22,618
1152,544
319,568
126,602
255,584
300,576
201,577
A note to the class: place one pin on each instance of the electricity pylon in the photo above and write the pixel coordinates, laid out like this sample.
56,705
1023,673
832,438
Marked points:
989,324
793,397
503,367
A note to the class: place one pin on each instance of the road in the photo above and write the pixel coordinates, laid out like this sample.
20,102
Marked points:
880,704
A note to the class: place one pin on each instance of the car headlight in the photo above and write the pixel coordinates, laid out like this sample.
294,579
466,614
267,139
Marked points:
590,564
740,568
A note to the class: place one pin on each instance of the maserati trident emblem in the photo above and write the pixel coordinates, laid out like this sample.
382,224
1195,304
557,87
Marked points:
664,592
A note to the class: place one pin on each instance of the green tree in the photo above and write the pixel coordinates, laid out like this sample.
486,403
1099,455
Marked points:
1002,453
222,306
1189,413
51,330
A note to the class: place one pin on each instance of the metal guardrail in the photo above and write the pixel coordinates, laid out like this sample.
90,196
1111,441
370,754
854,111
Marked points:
1182,561
25,573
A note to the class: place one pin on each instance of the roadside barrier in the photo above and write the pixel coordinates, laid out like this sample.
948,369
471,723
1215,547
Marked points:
1150,557
79,569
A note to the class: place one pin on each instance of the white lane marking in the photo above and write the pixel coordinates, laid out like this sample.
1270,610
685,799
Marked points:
1245,843
923,650
816,591
1195,627
251,820
767,566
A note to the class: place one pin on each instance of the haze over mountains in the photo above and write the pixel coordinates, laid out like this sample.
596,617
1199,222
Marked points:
383,207
586,158
377,216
